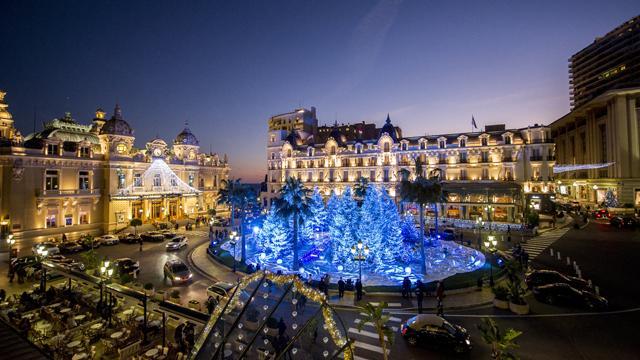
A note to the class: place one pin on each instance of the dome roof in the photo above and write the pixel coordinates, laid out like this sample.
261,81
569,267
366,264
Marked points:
116,125
186,137
339,137
389,129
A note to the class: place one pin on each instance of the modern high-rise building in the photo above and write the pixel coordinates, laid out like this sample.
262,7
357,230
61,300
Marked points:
610,62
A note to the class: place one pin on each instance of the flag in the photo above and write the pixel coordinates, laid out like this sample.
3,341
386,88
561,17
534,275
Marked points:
473,122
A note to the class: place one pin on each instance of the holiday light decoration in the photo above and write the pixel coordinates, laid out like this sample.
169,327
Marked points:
297,285
160,179
565,168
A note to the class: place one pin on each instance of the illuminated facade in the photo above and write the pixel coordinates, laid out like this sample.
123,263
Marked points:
488,174
72,178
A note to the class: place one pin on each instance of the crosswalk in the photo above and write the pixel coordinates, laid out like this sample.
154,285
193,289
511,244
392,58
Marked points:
365,342
538,244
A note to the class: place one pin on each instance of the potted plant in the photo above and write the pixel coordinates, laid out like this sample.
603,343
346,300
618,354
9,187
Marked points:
517,304
174,296
501,297
500,341
148,289
160,295
272,326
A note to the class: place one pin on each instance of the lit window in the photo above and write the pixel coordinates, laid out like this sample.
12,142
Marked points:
157,180
83,180
137,180
174,181
85,151
52,180
83,218
52,149
68,220
121,148
50,221
121,181
463,143
191,177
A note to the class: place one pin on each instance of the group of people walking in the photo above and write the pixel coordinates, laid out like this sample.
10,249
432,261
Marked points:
420,291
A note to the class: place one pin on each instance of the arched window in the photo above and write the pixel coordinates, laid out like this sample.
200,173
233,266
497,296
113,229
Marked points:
404,146
463,143
387,147
423,145
507,140
310,151
157,180
332,150
358,149
484,141
442,144
289,153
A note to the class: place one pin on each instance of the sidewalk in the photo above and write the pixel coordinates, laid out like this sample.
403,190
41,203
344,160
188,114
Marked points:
211,268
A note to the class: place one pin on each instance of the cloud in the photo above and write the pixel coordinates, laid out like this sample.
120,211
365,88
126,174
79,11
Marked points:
367,40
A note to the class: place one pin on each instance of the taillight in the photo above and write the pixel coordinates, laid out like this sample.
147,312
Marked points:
403,329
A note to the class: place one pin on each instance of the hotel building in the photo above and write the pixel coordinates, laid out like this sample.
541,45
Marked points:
73,178
489,174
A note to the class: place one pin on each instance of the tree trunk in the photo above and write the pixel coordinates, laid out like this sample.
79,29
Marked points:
383,344
436,222
295,243
232,217
243,251
423,267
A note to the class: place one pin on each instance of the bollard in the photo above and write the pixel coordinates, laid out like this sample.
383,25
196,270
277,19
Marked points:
559,257
597,290
569,261
551,251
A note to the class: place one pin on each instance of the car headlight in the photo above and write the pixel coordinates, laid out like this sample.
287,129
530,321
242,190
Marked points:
190,276
177,278
467,342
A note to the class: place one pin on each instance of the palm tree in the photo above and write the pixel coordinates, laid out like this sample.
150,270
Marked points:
293,203
438,194
500,342
237,196
375,315
360,189
135,222
420,191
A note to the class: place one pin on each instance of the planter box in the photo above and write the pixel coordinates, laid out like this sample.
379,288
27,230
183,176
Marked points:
501,304
519,309
159,295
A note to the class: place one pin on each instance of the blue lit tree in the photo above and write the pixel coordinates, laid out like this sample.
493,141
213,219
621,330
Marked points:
370,226
316,221
342,228
274,237
390,227
409,232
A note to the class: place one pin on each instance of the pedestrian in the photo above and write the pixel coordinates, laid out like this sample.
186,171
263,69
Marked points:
406,285
140,242
282,327
340,288
64,237
419,295
210,305
327,280
177,337
12,273
358,290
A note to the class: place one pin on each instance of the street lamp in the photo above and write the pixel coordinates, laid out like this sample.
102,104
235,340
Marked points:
10,242
233,240
480,225
360,253
490,245
105,273
489,209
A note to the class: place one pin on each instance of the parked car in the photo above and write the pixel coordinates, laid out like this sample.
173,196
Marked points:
623,221
153,236
129,238
177,271
66,262
601,214
50,247
544,277
24,261
433,331
70,247
177,243
564,294
90,242
108,239
168,234
221,289
126,266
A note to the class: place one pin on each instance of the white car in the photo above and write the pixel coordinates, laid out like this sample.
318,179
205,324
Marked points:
50,247
108,239
177,243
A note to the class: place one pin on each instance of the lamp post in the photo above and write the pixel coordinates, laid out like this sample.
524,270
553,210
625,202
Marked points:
490,245
105,273
43,277
489,209
233,241
480,225
360,253
10,242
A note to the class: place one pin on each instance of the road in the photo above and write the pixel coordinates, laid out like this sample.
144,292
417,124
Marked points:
605,255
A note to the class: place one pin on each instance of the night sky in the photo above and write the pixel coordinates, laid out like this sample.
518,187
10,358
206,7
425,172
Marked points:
227,66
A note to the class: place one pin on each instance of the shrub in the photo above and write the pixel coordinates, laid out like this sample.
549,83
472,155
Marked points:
125,278
533,219
501,292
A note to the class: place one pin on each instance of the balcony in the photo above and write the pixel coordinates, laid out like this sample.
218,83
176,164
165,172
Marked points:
507,159
535,158
40,193
551,158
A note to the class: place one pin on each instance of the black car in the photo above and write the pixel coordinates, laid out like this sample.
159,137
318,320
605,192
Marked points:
623,221
564,294
153,236
25,261
126,266
545,277
130,238
70,247
433,331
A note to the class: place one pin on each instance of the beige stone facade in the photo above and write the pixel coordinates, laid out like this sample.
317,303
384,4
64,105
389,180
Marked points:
488,174
603,131
73,179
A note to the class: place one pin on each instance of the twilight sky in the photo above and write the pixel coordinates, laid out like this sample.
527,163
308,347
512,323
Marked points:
226,66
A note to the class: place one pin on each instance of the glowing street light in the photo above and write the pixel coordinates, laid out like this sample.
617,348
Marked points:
490,245
360,253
